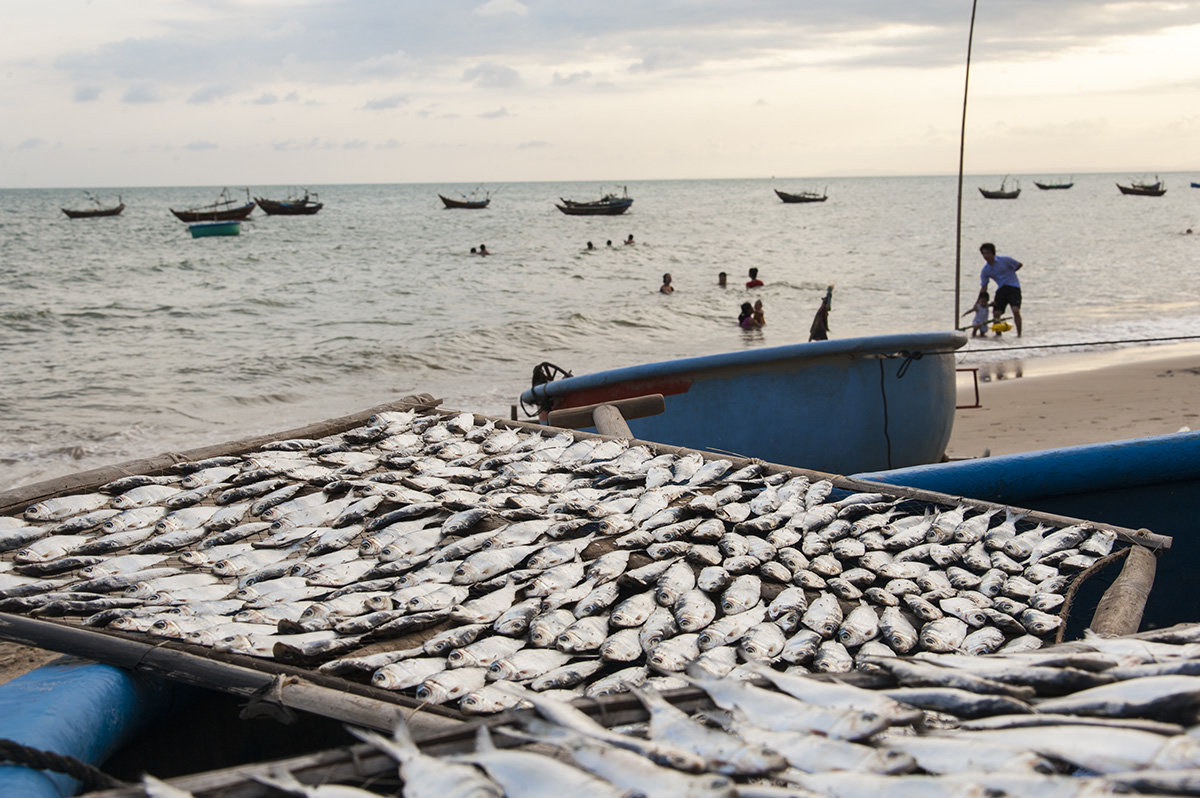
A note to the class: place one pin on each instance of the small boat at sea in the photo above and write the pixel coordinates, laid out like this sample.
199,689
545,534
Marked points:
608,205
465,202
292,206
225,209
1140,188
96,211
1004,192
1060,186
802,196
208,229
827,405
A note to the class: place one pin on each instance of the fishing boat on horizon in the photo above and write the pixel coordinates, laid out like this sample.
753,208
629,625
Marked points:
1004,192
1141,188
292,206
1059,186
608,205
225,209
467,202
97,211
802,196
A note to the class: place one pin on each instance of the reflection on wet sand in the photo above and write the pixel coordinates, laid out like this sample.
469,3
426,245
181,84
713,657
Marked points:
1004,370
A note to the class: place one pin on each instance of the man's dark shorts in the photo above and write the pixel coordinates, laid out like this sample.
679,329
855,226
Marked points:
1006,295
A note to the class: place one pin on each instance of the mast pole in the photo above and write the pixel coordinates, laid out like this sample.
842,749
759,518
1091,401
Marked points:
962,143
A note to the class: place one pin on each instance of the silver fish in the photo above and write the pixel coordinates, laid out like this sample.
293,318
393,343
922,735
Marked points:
859,626
449,685
694,611
722,752
426,776
729,629
545,628
585,634
823,616
634,610
763,642
944,634
528,774
674,582
483,652
713,578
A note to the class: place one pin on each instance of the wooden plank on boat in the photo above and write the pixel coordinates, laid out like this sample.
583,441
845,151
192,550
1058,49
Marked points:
633,407
266,682
1120,609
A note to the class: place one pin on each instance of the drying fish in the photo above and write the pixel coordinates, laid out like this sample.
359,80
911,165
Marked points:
546,627
62,507
526,774
426,776
731,628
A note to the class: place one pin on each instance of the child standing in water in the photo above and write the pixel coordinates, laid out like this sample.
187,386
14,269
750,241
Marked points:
980,308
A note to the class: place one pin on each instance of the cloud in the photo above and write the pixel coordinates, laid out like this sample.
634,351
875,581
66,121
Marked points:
86,94
658,60
492,76
207,94
354,144
386,103
198,146
571,79
390,144
292,144
495,8
140,93
31,144
266,98
533,145
499,113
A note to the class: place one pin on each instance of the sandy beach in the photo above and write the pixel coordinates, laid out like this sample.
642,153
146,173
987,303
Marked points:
1070,400
1026,404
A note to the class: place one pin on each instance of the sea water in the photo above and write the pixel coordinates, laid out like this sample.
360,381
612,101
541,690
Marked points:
124,337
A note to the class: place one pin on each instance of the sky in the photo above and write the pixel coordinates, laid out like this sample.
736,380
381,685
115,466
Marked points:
100,93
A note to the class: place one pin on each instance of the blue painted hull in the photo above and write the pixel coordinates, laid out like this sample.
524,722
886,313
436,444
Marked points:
1149,483
837,406
208,229
79,709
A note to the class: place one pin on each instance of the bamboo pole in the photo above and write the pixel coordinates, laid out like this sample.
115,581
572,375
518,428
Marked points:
1120,609
272,688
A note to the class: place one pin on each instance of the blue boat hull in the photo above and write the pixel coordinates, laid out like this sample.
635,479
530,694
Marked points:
836,406
1149,483
208,229
79,709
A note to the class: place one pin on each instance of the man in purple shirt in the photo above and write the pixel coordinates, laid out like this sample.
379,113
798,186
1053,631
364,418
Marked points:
1003,270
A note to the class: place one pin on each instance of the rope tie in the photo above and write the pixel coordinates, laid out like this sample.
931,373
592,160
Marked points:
90,777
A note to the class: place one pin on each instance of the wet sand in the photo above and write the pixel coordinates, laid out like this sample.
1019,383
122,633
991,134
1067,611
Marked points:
1048,402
